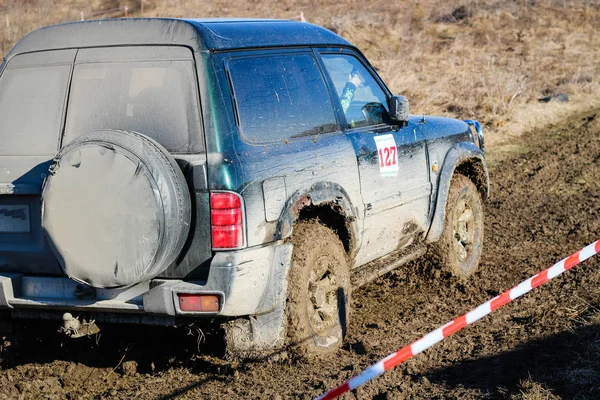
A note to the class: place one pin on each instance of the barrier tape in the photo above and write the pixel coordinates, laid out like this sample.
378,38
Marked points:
459,323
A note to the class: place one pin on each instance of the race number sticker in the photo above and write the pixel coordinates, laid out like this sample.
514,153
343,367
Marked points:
388,155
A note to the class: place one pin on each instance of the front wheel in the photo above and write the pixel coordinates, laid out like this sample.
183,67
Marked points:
318,291
459,249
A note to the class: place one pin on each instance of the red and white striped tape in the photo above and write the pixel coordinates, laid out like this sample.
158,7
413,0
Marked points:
459,323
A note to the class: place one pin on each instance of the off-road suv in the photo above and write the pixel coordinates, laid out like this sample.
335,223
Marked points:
251,172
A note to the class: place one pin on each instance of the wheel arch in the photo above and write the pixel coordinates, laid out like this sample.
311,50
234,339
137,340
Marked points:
465,159
330,205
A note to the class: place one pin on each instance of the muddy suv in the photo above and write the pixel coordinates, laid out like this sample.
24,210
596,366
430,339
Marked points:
160,171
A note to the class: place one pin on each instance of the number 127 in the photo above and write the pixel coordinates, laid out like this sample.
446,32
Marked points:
387,157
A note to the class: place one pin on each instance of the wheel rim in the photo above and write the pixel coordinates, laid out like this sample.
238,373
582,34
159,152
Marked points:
464,229
322,294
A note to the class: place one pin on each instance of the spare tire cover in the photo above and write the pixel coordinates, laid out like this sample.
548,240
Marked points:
115,208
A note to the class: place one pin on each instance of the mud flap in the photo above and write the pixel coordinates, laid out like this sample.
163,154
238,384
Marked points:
263,335
257,336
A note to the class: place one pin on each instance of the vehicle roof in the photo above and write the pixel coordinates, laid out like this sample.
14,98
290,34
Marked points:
199,34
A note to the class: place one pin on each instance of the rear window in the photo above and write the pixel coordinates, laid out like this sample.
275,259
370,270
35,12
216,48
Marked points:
31,104
157,98
280,97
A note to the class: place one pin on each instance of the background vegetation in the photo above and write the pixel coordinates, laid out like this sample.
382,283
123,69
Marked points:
485,59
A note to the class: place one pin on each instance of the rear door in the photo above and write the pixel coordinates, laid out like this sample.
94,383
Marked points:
149,89
33,93
152,90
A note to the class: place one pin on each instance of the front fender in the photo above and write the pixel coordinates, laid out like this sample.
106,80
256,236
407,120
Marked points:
460,155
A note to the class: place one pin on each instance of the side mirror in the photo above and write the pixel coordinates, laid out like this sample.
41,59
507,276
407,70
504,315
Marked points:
399,110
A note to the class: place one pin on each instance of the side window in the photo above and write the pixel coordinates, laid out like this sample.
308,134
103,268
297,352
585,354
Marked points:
31,106
363,101
280,97
156,97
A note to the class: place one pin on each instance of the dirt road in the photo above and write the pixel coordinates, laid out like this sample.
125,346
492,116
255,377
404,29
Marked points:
545,204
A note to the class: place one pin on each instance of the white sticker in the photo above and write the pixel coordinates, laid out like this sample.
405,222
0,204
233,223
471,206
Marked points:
388,155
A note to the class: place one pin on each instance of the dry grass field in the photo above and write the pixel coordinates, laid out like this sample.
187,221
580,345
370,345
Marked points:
485,59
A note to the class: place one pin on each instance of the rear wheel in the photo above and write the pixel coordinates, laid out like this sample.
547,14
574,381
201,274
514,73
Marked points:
318,291
459,249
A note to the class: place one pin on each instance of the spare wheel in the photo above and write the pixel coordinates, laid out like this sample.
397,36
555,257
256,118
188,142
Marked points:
115,208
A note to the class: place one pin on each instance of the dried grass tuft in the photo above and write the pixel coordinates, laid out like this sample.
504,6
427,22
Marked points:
530,390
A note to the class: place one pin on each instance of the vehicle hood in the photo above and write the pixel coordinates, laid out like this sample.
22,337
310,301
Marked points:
439,127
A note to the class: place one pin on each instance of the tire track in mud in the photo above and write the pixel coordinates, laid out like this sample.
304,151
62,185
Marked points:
545,204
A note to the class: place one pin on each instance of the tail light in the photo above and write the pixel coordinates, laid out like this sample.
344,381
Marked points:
190,302
227,220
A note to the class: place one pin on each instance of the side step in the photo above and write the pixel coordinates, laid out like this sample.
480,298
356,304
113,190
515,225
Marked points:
385,264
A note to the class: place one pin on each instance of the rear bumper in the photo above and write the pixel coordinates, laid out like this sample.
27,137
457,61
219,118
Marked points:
248,282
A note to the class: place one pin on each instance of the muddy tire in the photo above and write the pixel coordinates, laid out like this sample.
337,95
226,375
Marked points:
318,299
459,249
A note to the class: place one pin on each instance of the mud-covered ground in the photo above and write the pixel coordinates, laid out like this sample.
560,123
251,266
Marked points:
545,205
